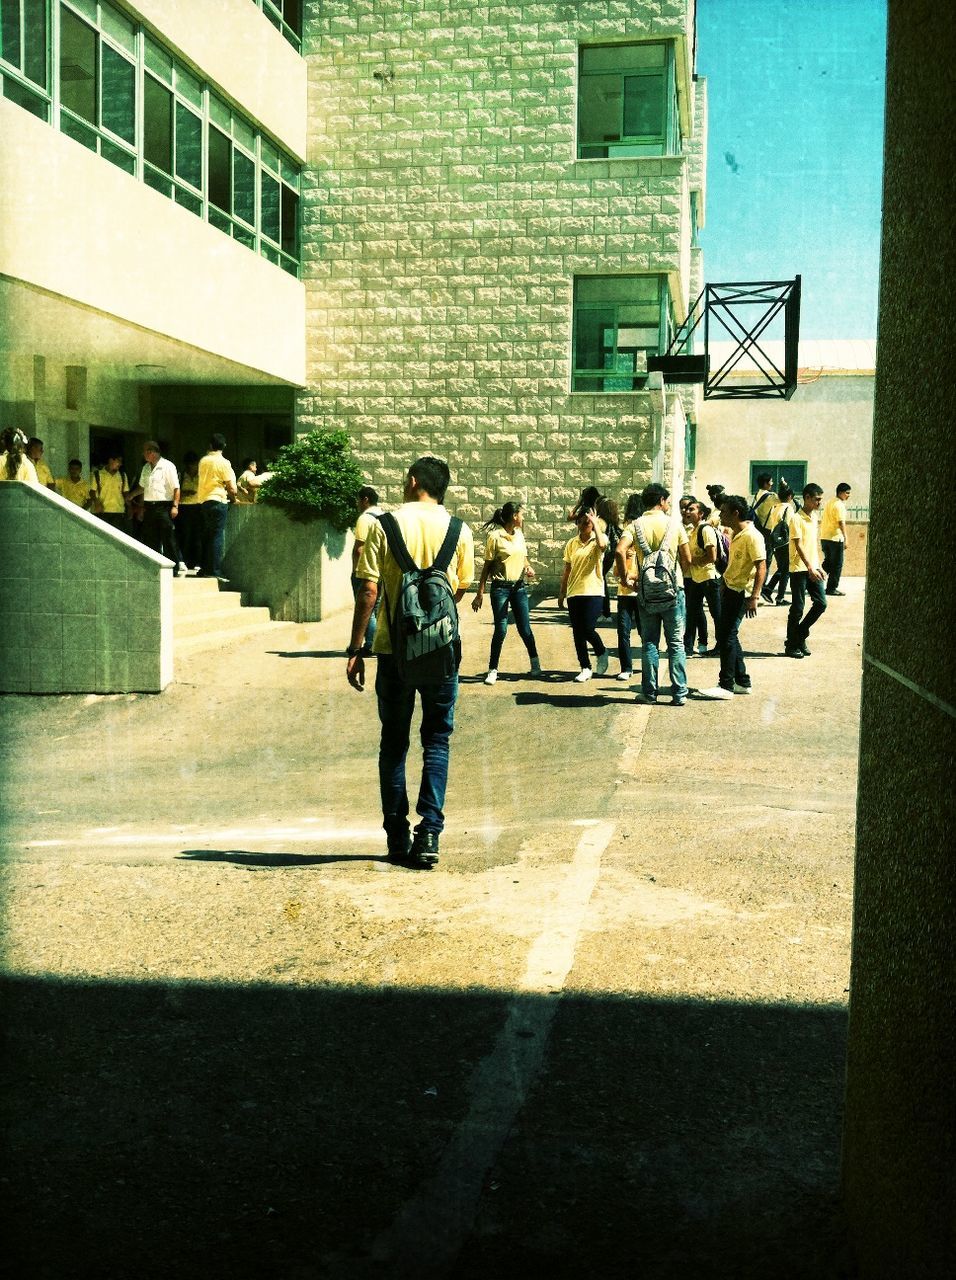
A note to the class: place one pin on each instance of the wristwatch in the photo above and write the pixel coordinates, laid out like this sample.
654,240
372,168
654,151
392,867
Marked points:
353,653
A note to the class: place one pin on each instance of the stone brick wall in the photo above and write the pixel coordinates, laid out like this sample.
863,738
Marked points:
445,218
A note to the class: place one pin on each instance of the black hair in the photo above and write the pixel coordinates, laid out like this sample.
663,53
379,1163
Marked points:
784,492
688,497
34,440
633,508
217,440
74,462
714,489
843,487
502,516
368,493
737,504
588,499
189,458
654,495
765,478
151,446
607,509
245,464
812,491
432,475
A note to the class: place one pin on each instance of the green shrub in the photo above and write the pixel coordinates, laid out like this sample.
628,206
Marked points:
315,478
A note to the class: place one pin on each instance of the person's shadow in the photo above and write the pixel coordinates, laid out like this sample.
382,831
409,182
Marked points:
268,861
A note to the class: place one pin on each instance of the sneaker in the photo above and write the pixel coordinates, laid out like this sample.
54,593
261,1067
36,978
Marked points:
713,653
423,854
678,702
183,568
742,688
836,593
765,595
601,665
583,676
793,653
535,666
399,845
783,604
623,676
805,651
491,677
717,694
702,650
645,700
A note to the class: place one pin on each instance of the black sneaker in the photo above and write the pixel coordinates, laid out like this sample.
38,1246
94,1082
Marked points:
794,653
805,651
424,850
399,845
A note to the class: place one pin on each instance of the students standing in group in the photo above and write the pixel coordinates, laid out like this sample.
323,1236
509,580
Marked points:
652,532
779,540
702,586
833,538
806,575
582,585
627,619
740,592
506,567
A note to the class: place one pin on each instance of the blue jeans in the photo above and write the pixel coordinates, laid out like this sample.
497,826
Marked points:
673,623
396,705
627,620
733,606
515,595
213,536
798,626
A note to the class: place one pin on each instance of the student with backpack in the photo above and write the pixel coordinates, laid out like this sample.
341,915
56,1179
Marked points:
761,507
627,619
779,544
422,559
708,560
662,555
740,593
506,565
582,585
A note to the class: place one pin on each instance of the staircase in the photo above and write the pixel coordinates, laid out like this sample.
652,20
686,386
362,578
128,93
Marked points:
206,616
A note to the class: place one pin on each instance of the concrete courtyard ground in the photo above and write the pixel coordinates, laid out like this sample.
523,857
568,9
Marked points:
605,1037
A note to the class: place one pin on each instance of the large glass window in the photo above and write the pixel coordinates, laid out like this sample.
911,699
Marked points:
618,322
77,66
24,39
627,101
287,16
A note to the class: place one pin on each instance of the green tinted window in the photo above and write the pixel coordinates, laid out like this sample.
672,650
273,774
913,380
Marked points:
243,187
158,125
119,94
270,208
618,322
188,146
77,66
219,187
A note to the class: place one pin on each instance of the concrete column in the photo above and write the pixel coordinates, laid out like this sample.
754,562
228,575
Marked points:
898,1162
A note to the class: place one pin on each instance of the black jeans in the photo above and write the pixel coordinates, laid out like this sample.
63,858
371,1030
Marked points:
833,553
189,533
584,612
628,620
697,593
798,626
159,532
782,576
733,605
213,536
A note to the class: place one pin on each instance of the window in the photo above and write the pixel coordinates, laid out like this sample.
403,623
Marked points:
286,15
627,101
124,96
690,445
794,473
618,322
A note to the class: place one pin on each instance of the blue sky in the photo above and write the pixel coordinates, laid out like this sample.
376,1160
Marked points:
795,91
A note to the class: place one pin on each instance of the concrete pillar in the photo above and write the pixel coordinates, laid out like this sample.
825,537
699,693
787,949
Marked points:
899,1153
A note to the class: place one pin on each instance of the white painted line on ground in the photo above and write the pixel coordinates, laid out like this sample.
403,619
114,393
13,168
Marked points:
427,1233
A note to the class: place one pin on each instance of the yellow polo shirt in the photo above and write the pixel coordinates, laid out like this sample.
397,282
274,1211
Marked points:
76,491
44,474
704,536
109,487
746,549
189,490
805,530
833,513
423,526
365,521
26,471
214,472
585,578
506,554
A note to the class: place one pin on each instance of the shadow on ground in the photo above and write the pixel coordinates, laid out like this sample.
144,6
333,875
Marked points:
200,1130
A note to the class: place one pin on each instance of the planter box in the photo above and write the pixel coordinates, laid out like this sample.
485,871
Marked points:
300,572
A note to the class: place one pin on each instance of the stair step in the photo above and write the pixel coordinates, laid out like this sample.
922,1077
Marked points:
206,603
218,620
215,639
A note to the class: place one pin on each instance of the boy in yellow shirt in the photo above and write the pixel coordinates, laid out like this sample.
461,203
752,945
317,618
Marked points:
833,538
806,575
740,592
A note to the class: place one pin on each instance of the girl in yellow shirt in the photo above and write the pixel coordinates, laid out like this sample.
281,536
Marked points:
582,585
506,565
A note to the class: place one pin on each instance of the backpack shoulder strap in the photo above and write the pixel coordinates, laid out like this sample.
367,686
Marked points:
642,542
396,543
447,548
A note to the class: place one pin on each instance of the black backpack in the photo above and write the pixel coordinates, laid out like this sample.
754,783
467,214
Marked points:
723,549
424,619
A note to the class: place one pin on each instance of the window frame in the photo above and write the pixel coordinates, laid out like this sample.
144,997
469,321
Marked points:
16,73
665,330
636,146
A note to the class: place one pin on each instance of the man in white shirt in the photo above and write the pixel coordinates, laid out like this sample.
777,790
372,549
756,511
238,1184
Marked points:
159,485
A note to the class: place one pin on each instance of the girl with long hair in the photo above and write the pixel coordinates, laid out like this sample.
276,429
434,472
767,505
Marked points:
582,585
506,565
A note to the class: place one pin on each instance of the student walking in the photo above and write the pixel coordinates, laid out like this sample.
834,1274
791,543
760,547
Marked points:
582,585
217,488
762,505
833,538
703,584
366,504
656,534
739,596
627,619
506,566
779,544
423,525
806,575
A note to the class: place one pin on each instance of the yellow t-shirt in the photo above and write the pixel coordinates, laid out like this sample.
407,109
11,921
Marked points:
76,491
26,471
703,536
189,490
585,578
214,472
44,474
109,487
833,513
506,554
656,526
365,522
746,548
423,526
804,529
628,553
781,511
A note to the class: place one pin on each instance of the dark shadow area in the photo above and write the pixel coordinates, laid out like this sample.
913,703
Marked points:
307,653
245,858
571,701
178,1129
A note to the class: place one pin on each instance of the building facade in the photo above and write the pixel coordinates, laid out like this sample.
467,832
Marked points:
499,225
150,250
